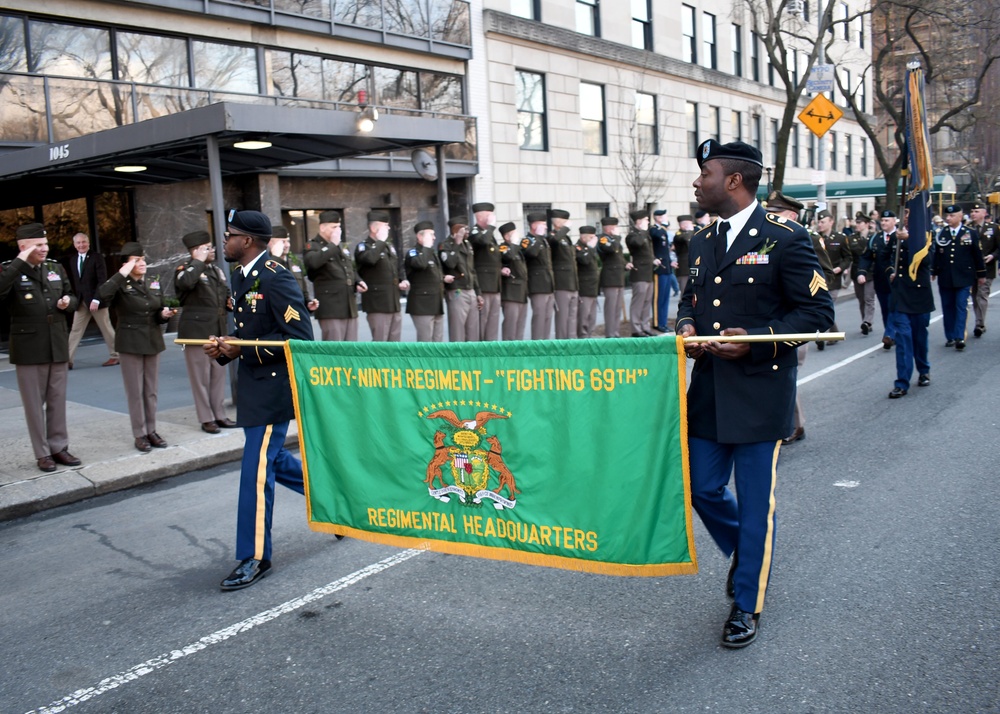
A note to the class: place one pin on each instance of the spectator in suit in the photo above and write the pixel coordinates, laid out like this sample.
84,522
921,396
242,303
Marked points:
87,273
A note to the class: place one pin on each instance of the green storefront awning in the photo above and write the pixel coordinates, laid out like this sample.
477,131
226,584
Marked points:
842,189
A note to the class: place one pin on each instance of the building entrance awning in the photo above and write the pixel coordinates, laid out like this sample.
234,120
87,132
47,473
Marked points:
842,189
188,145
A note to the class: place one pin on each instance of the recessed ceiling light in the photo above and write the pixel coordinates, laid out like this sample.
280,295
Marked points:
252,145
130,169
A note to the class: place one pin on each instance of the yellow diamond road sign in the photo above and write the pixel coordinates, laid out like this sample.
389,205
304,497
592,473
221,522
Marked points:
820,114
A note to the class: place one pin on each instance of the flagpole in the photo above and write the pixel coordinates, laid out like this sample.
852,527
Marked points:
229,341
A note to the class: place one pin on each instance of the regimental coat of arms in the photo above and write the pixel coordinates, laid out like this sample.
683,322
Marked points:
468,462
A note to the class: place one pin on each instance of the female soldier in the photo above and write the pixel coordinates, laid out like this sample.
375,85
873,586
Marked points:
138,340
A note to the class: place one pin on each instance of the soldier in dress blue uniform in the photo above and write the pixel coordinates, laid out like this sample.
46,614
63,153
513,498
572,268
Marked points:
910,314
666,282
876,264
751,273
957,266
268,306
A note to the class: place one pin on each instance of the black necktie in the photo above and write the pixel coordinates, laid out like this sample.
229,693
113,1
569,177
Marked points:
720,243
79,267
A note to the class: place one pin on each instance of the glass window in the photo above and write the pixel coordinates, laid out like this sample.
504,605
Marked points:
849,155
450,22
595,212
755,56
592,116
847,87
13,57
864,156
531,122
525,8
805,10
645,122
293,74
774,142
407,17
833,150
588,21
811,152
152,59
396,88
364,13
757,128
689,46
845,14
343,80
736,122
708,40
642,24
441,93
862,98
795,145
737,43
229,67
716,115
691,110
861,31
70,50
310,8
792,61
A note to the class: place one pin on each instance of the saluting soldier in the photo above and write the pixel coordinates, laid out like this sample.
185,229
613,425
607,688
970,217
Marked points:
541,282
269,306
203,292
589,271
38,296
461,290
741,394
681,243
425,304
612,254
280,248
989,245
957,266
876,266
378,268
330,266
514,284
665,281
566,280
857,243
640,267
486,254
138,301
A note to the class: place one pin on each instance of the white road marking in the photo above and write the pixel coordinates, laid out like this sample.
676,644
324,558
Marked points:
151,665
848,484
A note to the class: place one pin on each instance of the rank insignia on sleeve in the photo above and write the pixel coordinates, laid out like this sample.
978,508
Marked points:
525,242
698,261
291,314
817,283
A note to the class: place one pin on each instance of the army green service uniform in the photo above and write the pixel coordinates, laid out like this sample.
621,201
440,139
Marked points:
989,243
514,291
378,267
541,285
567,282
486,254
458,260
609,248
425,303
331,270
589,271
640,312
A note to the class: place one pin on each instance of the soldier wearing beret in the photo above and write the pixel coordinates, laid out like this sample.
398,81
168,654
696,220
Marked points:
268,306
989,245
541,282
425,304
330,266
280,248
514,284
825,261
461,290
640,267
37,294
203,291
378,268
612,255
957,265
857,243
588,267
566,280
751,273
486,255
912,302
876,266
137,299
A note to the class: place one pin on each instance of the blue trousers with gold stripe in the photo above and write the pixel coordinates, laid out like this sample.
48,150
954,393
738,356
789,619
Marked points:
265,461
744,522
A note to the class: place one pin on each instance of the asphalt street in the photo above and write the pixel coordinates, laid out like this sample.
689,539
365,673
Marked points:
883,596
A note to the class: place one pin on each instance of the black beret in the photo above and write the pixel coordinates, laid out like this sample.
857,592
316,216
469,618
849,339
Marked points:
378,217
536,216
609,221
507,228
329,217
279,232
685,217
423,226
638,213
777,201
587,230
452,222
131,249
559,213
887,214
738,150
484,206
31,230
823,214
700,213
660,212
953,208
193,240
253,223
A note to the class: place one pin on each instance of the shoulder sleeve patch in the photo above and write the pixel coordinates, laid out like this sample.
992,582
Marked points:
785,223
525,242
361,247
413,253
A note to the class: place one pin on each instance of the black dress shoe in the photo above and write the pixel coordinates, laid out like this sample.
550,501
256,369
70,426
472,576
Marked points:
210,427
156,440
740,628
226,423
923,380
797,435
46,464
730,587
959,345
142,444
887,343
821,345
246,574
65,458
866,327
639,334
949,343
978,332
896,393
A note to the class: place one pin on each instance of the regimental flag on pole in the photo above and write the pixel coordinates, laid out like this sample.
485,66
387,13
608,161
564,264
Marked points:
568,454
918,197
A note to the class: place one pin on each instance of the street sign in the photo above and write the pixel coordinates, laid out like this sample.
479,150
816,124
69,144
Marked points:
820,78
820,114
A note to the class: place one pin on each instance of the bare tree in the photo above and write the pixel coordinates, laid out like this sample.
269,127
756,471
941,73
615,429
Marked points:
637,159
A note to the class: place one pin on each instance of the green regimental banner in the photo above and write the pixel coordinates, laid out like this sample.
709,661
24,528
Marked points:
569,454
